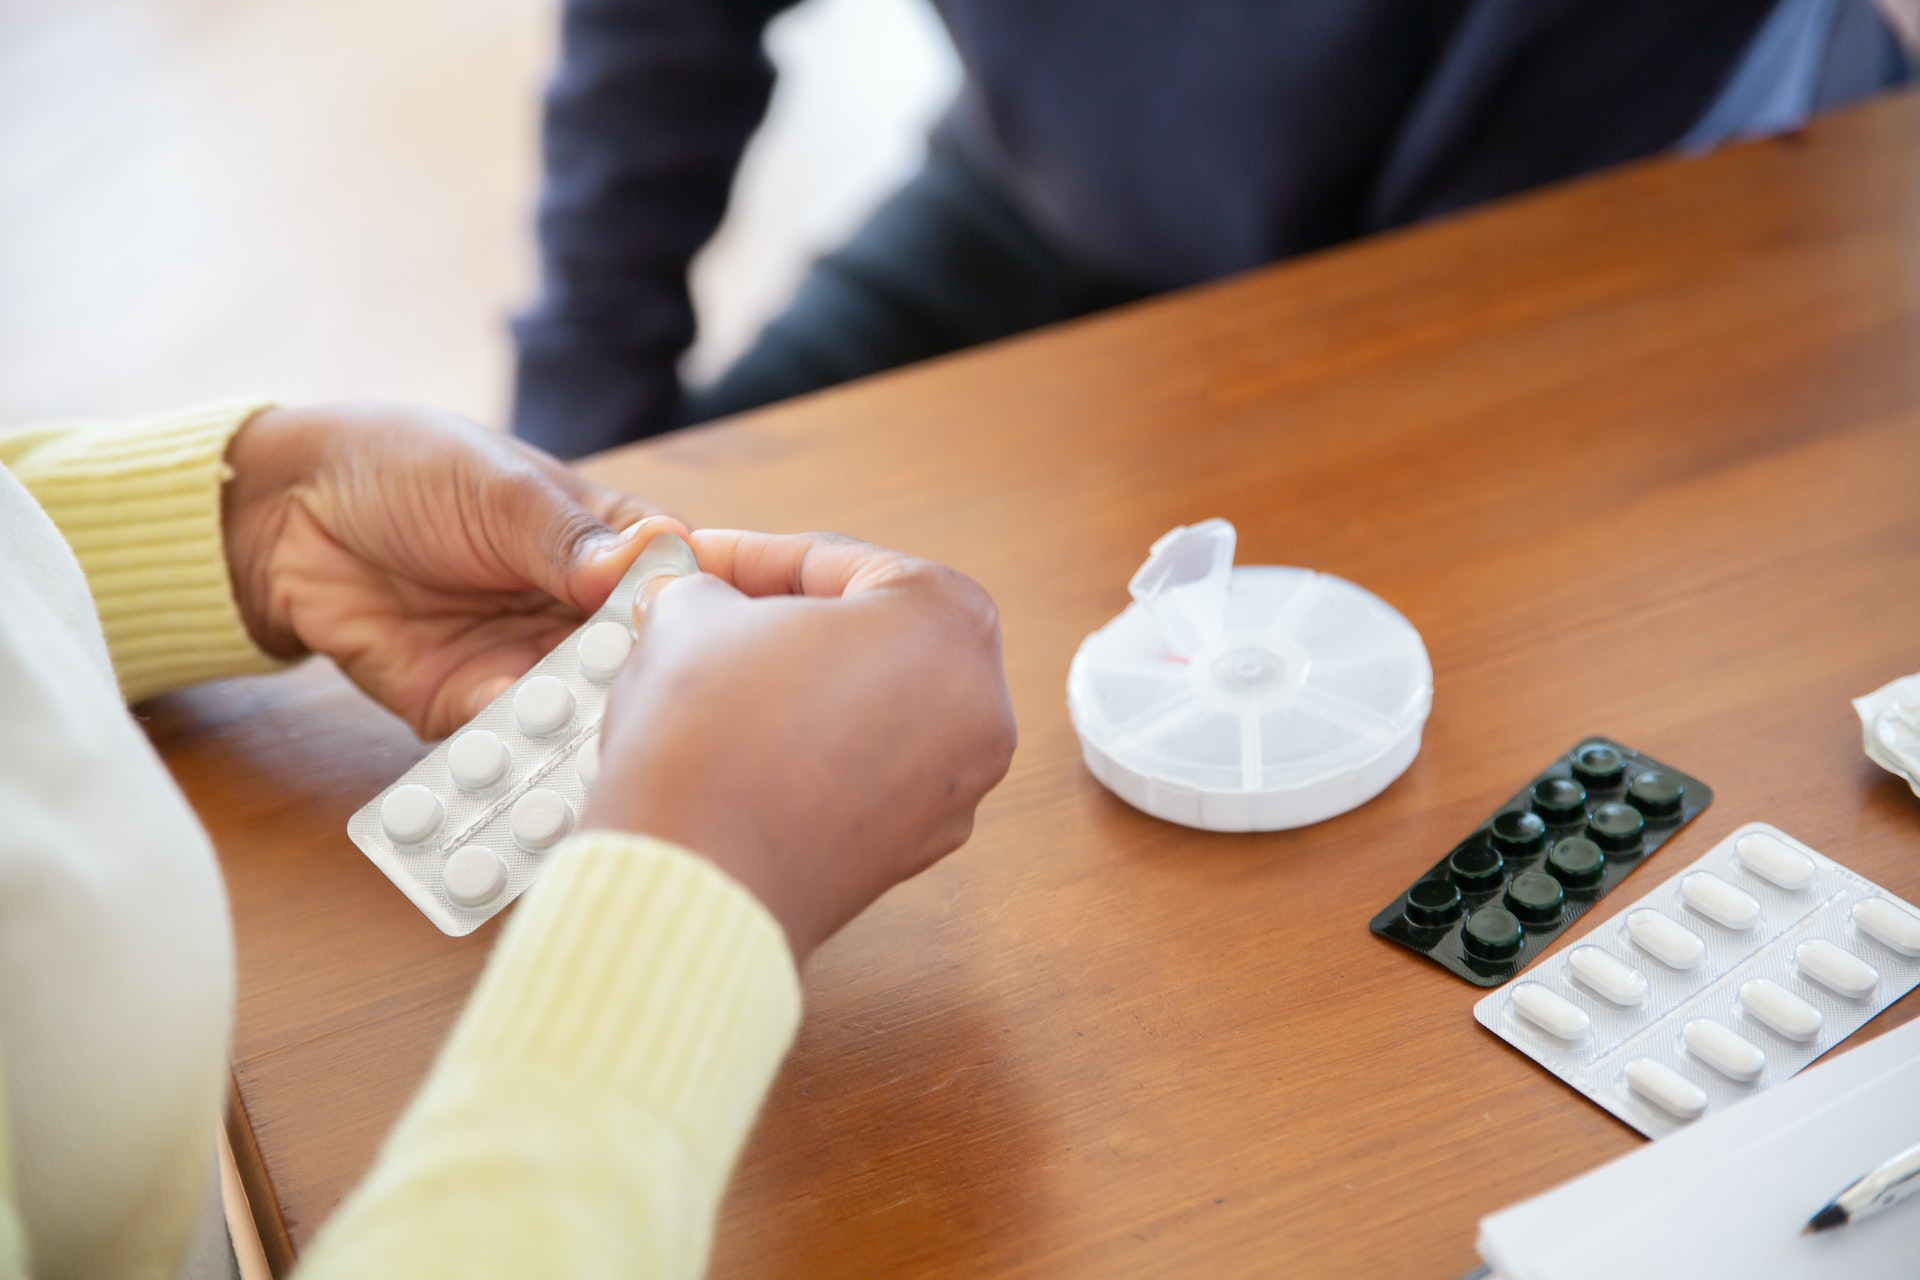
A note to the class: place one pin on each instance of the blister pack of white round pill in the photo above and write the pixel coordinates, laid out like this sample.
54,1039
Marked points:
1728,978
464,831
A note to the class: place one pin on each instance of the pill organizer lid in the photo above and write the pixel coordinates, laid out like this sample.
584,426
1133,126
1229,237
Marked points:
1183,584
1248,699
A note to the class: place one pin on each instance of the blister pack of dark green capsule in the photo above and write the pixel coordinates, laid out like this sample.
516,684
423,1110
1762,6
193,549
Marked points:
1502,895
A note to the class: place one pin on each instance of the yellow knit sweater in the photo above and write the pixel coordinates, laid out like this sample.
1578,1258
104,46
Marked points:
584,1115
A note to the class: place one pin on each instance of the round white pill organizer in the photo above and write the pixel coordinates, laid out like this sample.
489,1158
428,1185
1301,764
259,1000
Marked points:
1249,699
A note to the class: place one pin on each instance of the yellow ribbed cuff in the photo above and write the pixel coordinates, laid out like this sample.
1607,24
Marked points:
635,966
139,503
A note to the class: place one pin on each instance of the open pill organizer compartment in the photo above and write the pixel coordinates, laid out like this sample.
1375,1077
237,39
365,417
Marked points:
1728,978
462,833
1502,895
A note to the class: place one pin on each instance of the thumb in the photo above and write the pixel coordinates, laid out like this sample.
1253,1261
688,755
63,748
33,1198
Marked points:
593,559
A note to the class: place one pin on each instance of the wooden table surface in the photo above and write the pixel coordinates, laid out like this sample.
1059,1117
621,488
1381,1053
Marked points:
1637,457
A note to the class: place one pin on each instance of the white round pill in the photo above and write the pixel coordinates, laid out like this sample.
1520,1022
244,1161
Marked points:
1672,944
539,819
1835,968
1772,859
1731,1055
543,706
474,875
411,814
1889,924
1666,1088
1719,901
1551,1012
603,647
477,759
1614,980
587,763
1772,1005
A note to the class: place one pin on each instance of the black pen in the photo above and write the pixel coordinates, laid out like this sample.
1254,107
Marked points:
1888,1185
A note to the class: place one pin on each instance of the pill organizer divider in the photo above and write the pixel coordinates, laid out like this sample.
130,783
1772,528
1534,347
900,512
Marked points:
1500,897
461,833
1759,993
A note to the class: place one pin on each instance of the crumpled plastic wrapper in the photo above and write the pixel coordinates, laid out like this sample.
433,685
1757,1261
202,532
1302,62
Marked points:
1890,726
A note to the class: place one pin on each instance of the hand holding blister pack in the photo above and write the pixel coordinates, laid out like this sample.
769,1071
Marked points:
1725,980
462,833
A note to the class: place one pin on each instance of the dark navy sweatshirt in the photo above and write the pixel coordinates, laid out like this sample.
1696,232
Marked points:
1157,142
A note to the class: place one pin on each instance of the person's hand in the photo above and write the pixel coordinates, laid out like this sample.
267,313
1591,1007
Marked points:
435,561
816,716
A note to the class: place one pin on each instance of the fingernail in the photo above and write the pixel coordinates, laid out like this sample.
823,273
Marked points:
624,540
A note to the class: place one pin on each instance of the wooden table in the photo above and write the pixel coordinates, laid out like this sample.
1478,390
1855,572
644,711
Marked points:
1638,457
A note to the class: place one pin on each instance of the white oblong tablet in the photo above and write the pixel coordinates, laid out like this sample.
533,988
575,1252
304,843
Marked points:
411,814
477,759
539,819
604,646
474,875
1889,924
1614,980
1550,1011
1835,968
1666,1088
1719,901
1773,859
1666,940
1732,1055
543,705
1772,1005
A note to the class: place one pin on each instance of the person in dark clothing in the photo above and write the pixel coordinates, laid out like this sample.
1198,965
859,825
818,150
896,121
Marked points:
1105,150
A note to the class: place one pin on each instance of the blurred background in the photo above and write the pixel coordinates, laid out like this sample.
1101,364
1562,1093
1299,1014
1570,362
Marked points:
334,198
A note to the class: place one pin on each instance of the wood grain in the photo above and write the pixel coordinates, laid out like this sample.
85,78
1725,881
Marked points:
1637,457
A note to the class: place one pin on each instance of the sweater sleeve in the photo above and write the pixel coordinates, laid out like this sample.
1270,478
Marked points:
646,119
584,1116
138,501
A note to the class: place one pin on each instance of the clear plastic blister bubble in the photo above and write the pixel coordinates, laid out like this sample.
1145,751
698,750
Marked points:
462,833
1765,991
1247,699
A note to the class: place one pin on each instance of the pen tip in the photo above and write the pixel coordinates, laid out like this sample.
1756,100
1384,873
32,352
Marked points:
1831,1216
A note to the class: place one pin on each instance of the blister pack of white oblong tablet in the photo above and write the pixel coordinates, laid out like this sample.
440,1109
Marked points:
1731,976
462,833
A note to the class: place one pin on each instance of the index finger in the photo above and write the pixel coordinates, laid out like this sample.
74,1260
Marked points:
798,564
